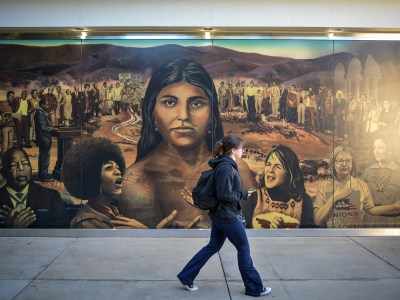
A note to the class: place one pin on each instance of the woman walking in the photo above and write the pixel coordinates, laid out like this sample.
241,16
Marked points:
227,220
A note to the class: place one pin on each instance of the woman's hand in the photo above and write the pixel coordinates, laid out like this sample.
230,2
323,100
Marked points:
396,207
268,220
168,221
288,222
194,222
341,194
187,196
274,220
250,192
124,222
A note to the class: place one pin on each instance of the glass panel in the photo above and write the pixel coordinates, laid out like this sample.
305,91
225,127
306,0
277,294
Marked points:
154,99
282,116
34,76
366,134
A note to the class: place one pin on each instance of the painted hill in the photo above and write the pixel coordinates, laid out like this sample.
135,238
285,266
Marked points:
21,64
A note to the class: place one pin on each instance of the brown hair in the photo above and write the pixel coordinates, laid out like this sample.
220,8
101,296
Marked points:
225,146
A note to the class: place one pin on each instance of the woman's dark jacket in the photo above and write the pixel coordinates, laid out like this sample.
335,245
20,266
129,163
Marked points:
228,185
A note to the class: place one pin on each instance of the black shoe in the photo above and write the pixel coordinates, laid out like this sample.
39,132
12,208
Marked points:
28,146
46,178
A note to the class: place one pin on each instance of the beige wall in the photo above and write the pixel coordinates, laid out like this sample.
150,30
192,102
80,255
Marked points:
188,13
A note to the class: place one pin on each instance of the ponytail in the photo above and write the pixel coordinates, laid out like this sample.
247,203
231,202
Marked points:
225,146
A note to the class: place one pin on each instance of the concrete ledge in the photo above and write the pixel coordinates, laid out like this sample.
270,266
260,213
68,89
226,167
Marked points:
195,233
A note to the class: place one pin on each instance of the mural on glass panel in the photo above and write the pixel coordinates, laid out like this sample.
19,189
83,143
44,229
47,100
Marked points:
115,133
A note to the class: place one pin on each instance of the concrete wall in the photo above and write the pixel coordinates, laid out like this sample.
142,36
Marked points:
194,13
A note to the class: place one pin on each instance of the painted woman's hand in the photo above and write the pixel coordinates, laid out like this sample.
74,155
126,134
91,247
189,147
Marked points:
187,196
167,221
288,222
124,222
268,220
274,220
341,194
170,221
396,207
194,222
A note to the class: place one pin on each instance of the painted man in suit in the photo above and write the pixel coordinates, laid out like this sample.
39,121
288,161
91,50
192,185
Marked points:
24,203
76,100
94,100
283,102
43,139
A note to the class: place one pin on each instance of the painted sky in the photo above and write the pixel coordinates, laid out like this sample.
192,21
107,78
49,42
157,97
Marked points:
301,49
295,48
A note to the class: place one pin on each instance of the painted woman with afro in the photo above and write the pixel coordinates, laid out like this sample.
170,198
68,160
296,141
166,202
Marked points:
92,170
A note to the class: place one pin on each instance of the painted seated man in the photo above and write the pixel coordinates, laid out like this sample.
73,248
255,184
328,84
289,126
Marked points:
23,203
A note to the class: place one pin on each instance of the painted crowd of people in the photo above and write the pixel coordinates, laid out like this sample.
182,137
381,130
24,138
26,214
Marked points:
65,107
357,119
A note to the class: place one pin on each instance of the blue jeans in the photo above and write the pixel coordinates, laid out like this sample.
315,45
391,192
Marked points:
236,234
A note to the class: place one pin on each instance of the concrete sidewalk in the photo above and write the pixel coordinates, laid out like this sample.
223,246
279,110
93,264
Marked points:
145,268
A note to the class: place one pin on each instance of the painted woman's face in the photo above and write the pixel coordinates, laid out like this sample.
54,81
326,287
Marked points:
343,164
111,178
182,113
381,151
275,174
386,105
